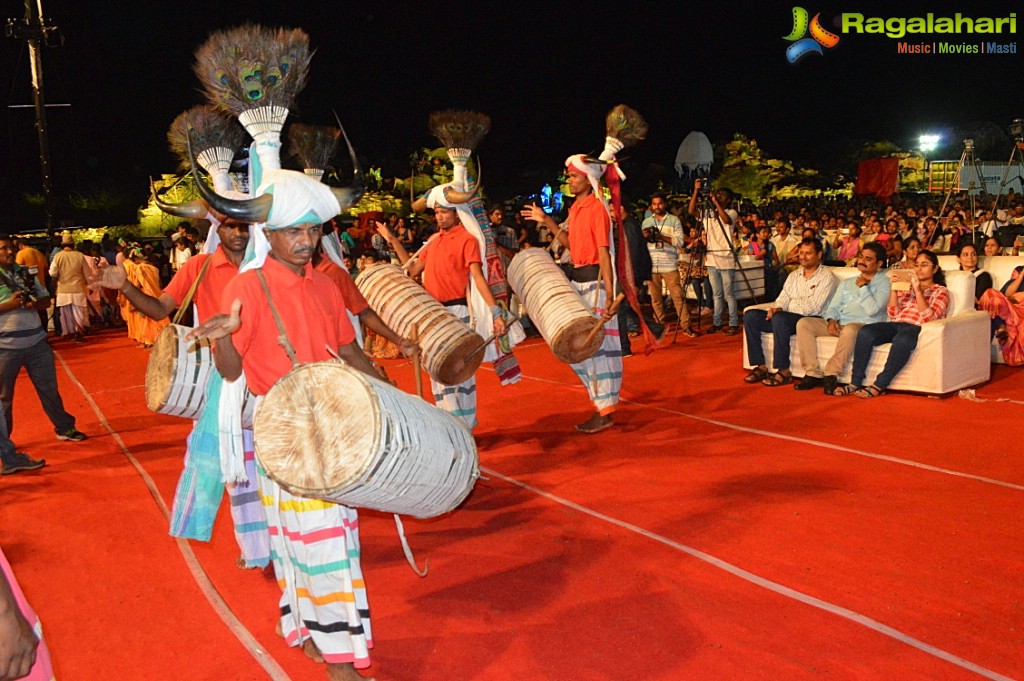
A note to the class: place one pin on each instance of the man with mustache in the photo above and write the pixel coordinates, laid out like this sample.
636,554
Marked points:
315,544
856,302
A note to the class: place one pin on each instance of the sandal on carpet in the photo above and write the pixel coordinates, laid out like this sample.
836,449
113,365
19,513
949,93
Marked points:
869,391
844,390
777,379
757,375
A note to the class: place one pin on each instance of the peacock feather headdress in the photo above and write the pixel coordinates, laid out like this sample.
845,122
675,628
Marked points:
314,146
215,137
255,73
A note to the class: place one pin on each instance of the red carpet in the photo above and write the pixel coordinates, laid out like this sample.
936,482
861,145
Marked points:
719,531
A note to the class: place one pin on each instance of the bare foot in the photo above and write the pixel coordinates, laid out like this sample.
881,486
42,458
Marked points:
345,671
595,424
312,652
279,630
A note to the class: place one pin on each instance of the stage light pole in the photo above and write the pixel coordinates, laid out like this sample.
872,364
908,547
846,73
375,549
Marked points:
35,32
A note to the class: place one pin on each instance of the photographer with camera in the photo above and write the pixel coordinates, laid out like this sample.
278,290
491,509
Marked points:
664,235
23,344
718,227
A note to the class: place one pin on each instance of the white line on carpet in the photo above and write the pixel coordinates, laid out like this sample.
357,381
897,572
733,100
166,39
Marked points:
780,589
806,441
244,636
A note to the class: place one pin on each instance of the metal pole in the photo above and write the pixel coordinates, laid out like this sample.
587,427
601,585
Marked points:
34,34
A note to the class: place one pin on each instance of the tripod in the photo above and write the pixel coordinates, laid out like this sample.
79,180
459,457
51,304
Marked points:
707,210
1018,153
967,158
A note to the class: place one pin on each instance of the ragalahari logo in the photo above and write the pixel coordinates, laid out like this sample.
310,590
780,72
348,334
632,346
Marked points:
802,46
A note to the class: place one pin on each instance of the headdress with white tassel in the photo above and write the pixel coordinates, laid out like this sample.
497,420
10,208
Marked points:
461,132
255,73
216,138
313,146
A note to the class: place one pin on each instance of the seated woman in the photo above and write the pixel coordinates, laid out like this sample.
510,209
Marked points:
967,256
911,249
993,247
847,246
926,299
1006,308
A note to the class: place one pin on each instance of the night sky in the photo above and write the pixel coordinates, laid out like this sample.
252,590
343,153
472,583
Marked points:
545,74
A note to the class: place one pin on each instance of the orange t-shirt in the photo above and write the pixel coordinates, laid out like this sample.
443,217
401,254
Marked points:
589,230
211,288
354,300
311,309
31,257
446,261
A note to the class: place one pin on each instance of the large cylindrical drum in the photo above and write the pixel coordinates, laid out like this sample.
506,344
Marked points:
177,375
330,432
554,305
447,344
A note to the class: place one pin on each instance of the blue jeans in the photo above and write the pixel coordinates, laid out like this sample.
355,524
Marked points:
722,289
903,337
782,325
702,292
38,363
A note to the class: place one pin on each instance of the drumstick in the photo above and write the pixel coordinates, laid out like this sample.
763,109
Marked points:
417,373
611,309
512,320
417,253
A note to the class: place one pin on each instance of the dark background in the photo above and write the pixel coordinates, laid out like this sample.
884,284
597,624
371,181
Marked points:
546,74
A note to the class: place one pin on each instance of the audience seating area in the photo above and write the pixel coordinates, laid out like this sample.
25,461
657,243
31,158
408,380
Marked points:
952,353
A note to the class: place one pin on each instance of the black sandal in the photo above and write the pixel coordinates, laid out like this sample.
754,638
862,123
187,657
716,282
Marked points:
756,375
870,391
844,390
777,379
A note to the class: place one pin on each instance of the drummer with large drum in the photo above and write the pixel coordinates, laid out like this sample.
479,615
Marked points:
206,275
588,239
452,269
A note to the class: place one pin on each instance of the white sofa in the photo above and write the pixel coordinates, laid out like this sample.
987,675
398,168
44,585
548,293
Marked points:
951,354
1000,267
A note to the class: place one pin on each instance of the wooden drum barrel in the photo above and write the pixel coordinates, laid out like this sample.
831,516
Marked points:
445,340
330,432
554,305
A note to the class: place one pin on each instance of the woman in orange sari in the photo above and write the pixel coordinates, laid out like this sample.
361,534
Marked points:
146,277
1006,308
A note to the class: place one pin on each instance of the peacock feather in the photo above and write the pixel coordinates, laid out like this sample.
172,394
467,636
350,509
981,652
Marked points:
626,125
313,145
459,129
213,134
255,73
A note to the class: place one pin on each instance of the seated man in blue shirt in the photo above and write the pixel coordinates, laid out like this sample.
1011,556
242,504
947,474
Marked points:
857,301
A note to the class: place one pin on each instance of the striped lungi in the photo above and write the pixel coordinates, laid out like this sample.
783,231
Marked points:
601,374
458,400
200,490
315,549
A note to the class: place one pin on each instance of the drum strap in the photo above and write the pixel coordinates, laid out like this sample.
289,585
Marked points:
283,338
191,292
